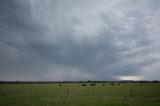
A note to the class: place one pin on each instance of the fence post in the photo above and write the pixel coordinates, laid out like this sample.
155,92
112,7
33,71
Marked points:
93,89
131,93
68,94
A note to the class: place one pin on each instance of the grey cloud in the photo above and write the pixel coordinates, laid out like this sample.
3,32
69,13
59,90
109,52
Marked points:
78,40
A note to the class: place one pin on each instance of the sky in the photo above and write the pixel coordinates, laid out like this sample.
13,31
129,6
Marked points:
78,40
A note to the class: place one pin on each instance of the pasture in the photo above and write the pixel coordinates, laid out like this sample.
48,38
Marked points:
74,94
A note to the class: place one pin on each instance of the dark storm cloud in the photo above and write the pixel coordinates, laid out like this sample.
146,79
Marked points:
79,40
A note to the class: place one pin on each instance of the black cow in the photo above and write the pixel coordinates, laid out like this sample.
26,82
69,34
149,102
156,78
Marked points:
84,85
93,84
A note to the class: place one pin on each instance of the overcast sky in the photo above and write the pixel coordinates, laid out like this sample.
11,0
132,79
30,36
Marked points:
58,40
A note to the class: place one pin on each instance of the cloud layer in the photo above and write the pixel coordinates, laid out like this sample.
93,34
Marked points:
79,40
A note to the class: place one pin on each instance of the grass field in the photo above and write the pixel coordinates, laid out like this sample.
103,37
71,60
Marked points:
76,95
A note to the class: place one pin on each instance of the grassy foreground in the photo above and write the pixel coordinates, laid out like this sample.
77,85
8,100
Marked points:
76,95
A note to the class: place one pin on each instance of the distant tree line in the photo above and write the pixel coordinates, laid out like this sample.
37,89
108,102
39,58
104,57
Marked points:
60,82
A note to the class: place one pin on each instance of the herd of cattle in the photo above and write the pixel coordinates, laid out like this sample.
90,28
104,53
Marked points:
94,84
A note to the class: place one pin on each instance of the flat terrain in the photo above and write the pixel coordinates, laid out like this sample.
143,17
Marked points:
147,94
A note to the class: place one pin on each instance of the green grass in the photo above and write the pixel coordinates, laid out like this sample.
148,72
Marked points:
77,95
